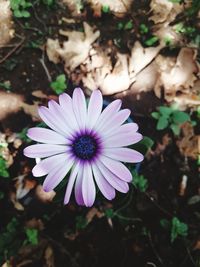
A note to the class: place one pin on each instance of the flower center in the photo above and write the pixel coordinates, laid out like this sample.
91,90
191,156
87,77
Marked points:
85,147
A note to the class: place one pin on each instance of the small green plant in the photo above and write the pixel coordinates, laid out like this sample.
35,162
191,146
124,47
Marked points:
48,3
32,236
178,228
60,84
170,117
176,1
81,222
105,9
143,28
140,182
6,85
9,240
3,168
151,41
109,213
125,26
19,8
23,135
168,41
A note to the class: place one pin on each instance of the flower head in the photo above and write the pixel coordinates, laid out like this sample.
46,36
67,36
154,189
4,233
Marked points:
88,142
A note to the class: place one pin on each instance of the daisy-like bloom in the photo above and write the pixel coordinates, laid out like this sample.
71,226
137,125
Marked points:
87,142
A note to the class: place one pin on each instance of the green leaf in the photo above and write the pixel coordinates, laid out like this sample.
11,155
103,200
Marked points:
32,235
140,182
180,116
165,111
105,9
175,128
109,213
144,145
48,2
155,115
151,41
175,1
143,28
25,14
128,25
162,123
18,13
3,168
60,84
165,223
81,222
178,229
120,26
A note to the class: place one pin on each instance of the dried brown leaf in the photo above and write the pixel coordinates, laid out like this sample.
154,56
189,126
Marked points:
175,75
164,11
118,7
189,144
44,196
74,51
6,24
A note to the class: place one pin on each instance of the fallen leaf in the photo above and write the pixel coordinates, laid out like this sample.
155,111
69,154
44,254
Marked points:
140,58
189,143
49,257
23,186
15,202
93,212
164,11
9,103
74,6
6,24
118,7
43,196
175,75
74,51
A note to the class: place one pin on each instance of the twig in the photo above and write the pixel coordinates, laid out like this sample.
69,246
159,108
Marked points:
12,51
154,249
45,68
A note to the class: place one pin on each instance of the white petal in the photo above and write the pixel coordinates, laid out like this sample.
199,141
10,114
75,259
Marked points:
123,129
60,117
123,154
125,139
112,179
44,150
67,109
51,120
106,189
108,112
46,165
78,187
46,136
57,175
88,186
117,168
114,121
71,182
79,107
94,108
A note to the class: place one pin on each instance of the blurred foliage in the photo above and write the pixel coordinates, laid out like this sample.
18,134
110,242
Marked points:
3,168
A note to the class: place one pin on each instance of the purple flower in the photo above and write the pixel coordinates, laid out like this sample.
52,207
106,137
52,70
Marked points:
88,142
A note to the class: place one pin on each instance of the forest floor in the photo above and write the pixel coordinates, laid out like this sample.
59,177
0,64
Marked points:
143,52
